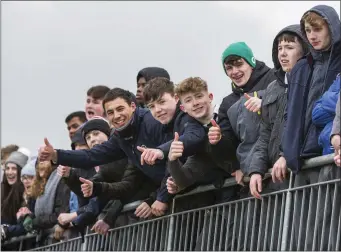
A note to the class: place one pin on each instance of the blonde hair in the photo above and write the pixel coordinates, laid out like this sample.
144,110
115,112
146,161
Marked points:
191,85
39,183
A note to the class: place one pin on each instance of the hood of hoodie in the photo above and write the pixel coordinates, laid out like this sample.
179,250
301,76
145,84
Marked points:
294,29
258,72
333,21
152,72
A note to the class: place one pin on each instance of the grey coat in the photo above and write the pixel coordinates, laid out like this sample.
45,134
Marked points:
245,125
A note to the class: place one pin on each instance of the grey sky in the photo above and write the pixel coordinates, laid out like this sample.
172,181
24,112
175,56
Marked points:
52,52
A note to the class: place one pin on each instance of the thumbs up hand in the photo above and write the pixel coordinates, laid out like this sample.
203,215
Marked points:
63,171
252,104
214,133
87,187
47,152
176,149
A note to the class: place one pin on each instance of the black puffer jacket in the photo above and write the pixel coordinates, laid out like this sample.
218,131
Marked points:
260,78
267,148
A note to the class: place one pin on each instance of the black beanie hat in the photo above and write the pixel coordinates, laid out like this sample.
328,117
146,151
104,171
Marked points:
96,124
77,138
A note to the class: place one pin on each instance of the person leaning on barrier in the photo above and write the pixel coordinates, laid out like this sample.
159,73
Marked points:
308,80
288,47
335,134
199,168
94,132
248,75
27,175
134,127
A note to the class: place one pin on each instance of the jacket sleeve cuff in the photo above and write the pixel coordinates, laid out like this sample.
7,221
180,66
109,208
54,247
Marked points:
96,189
149,201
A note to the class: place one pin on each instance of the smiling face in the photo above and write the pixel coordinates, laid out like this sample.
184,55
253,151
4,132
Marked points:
11,173
197,105
163,109
119,112
239,71
289,52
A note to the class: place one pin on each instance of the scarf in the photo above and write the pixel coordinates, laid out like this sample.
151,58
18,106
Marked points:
45,203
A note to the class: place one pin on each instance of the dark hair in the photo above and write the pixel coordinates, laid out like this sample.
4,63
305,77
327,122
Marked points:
115,93
290,37
232,60
11,197
98,92
156,87
7,150
80,114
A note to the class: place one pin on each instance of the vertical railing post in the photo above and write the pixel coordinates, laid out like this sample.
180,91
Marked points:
171,229
287,211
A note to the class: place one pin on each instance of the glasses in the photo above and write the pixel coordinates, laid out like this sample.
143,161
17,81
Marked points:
23,178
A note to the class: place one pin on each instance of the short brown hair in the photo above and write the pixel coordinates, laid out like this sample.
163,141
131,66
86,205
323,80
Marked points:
314,19
191,85
98,92
7,150
156,87
232,60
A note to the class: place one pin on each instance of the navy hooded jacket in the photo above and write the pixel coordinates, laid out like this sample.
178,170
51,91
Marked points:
308,80
147,132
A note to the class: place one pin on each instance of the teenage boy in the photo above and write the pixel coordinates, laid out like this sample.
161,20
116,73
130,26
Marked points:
288,47
248,75
134,128
145,75
93,104
308,80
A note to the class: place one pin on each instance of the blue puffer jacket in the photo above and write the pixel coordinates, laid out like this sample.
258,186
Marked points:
308,80
324,113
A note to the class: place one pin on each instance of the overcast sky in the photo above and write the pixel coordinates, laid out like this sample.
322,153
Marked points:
52,52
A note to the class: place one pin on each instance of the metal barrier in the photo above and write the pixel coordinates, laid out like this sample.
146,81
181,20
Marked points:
303,217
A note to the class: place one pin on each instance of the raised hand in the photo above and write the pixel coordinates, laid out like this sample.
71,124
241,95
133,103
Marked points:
150,155
214,133
87,187
177,148
47,152
252,104
63,171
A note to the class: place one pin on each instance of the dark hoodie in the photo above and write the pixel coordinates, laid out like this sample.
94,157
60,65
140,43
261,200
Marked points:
308,80
260,78
267,148
149,73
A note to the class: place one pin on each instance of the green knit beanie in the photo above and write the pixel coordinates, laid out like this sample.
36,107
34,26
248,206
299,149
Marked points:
239,49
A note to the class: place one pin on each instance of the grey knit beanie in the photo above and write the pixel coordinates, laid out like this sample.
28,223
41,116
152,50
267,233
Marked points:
29,169
17,158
